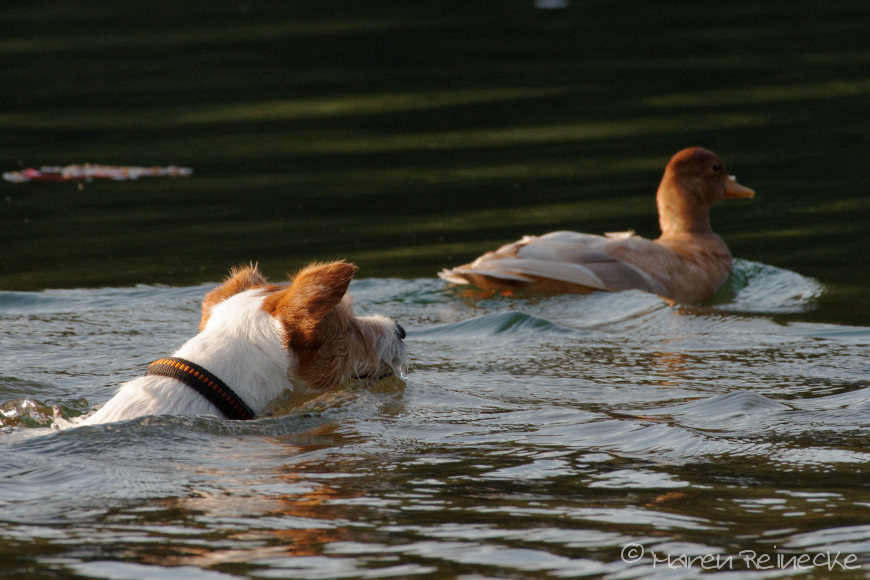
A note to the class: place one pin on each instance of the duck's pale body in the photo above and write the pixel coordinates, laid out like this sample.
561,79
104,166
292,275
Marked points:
688,263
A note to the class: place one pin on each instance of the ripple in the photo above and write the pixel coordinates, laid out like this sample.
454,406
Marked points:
855,399
847,539
758,288
94,299
725,408
493,325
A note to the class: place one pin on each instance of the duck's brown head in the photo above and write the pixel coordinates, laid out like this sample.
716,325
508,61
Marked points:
694,179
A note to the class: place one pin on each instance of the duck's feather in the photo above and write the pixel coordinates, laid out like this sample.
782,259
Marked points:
570,257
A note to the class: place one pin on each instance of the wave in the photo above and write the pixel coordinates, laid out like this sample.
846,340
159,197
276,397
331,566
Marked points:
757,288
494,324
87,299
720,412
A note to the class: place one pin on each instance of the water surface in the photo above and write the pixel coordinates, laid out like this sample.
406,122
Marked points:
532,438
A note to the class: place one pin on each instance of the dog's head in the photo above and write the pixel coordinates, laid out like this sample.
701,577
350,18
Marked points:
314,321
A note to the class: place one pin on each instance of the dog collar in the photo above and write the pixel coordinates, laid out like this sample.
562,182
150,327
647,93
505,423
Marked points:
203,382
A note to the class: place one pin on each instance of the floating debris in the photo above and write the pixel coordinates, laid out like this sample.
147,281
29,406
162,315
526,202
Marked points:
89,172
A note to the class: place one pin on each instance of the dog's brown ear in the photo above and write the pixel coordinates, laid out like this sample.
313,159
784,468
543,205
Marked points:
314,292
241,278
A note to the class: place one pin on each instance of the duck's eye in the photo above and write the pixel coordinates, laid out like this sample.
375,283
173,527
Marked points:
717,168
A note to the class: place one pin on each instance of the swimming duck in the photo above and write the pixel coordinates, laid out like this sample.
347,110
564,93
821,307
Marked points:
688,263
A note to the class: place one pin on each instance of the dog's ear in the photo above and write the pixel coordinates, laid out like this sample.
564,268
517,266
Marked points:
241,278
314,292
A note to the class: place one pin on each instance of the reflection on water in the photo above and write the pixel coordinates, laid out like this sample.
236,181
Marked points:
533,437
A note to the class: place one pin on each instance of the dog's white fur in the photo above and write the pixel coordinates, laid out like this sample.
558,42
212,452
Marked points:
263,340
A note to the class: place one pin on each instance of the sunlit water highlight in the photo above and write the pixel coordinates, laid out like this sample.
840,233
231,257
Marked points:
532,437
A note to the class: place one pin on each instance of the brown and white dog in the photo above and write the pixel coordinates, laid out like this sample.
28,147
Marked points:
258,340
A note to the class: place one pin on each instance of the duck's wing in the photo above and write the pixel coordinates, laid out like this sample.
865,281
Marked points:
573,258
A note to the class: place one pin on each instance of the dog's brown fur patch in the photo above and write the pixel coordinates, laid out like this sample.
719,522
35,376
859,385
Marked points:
317,319
241,278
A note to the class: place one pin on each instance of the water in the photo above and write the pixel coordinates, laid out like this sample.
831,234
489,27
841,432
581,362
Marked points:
546,437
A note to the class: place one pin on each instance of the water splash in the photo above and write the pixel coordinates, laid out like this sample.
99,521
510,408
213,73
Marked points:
33,413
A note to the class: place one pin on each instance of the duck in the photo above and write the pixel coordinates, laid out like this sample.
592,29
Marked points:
687,263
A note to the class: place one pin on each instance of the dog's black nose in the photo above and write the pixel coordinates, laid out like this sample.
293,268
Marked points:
400,331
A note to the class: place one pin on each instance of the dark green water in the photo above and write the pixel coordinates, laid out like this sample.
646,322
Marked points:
412,136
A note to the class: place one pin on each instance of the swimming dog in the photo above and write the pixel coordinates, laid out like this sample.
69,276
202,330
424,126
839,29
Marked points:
258,340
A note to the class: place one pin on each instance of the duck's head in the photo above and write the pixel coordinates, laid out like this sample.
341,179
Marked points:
694,179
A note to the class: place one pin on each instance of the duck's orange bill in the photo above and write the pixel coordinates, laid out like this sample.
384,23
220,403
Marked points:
734,189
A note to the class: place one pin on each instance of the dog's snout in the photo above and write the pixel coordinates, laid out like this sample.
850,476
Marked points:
400,332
